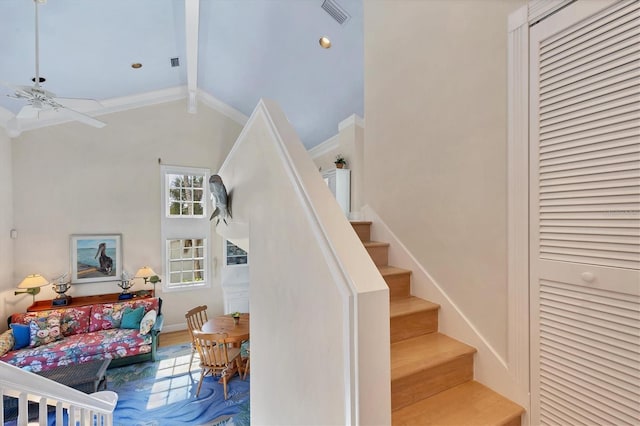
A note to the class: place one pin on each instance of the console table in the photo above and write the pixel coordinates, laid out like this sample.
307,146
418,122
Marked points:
44,305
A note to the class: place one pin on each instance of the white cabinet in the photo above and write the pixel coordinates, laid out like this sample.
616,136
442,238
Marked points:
339,183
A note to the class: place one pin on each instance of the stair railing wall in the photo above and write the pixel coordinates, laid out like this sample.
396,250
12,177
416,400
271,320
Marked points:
29,387
319,307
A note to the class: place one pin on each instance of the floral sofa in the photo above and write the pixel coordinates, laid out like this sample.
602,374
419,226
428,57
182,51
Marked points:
73,335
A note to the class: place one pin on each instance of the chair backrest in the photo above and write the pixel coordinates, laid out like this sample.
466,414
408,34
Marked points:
196,318
211,348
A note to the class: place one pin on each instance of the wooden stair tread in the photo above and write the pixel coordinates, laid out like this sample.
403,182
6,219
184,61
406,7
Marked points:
360,222
465,404
410,305
375,244
387,270
426,351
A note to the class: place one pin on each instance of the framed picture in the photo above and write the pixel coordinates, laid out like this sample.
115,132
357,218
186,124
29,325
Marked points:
96,258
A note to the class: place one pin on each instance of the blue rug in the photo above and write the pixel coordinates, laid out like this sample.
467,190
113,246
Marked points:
164,393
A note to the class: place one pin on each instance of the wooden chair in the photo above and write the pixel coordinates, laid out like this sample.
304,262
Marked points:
216,358
196,318
246,365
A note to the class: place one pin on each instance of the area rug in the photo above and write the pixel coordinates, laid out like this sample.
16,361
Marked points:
164,393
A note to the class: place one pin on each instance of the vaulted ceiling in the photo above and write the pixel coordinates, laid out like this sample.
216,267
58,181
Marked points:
246,50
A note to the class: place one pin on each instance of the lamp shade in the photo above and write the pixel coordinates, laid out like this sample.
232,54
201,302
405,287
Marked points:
33,281
145,272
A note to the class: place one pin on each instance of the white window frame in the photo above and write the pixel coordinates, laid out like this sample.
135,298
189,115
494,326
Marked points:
184,227
167,185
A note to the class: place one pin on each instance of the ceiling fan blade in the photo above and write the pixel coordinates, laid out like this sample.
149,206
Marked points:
84,118
82,104
28,113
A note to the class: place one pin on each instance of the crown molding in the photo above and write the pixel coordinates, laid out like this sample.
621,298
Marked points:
353,119
223,108
332,143
324,147
15,127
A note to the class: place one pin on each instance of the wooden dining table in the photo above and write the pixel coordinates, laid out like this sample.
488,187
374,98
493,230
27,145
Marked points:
236,333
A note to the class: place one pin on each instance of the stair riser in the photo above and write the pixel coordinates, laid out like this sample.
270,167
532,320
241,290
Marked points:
363,230
514,422
379,254
412,325
399,285
407,390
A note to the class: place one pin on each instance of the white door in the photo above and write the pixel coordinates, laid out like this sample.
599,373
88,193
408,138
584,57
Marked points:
585,215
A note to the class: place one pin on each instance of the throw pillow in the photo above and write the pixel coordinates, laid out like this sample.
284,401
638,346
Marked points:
21,335
44,330
131,317
147,322
6,342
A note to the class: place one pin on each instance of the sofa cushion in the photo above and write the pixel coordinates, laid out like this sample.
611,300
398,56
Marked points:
105,316
6,342
21,335
132,317
72,320
147,322
79,348
44,330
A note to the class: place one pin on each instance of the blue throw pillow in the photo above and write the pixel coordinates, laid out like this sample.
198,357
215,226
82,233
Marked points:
21,335
131,317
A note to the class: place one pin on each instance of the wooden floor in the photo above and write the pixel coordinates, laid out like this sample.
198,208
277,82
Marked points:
174,338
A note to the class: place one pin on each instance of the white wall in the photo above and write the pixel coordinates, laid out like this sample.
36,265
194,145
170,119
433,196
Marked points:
319,307
75,179
436,145
6,224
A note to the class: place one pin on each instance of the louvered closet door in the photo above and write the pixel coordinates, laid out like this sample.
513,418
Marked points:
585,215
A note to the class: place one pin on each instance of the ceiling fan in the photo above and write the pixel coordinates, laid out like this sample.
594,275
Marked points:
39,99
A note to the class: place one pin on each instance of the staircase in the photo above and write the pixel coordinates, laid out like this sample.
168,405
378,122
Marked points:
431,373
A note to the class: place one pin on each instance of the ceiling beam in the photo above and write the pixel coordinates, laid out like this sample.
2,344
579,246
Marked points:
192,21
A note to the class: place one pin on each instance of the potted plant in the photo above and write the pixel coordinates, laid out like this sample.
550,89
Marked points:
340,161
236,317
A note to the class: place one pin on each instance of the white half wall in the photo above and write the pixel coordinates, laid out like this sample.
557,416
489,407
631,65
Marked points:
319,307
75,179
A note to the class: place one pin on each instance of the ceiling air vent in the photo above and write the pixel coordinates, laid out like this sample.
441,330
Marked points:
175,62
336,11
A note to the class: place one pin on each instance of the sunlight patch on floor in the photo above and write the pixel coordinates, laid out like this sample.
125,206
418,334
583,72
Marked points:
167,390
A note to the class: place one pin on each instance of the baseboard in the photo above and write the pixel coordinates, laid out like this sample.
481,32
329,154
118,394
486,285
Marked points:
174,327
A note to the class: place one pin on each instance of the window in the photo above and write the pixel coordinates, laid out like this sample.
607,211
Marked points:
185,194
234,255
186,258
185,228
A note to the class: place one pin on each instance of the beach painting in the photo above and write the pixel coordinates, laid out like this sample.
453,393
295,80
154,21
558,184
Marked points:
96,258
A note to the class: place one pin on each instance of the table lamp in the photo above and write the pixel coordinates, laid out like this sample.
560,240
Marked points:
31,284
146,273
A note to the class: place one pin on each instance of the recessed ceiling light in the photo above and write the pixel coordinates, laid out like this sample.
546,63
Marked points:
325,42
136,65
